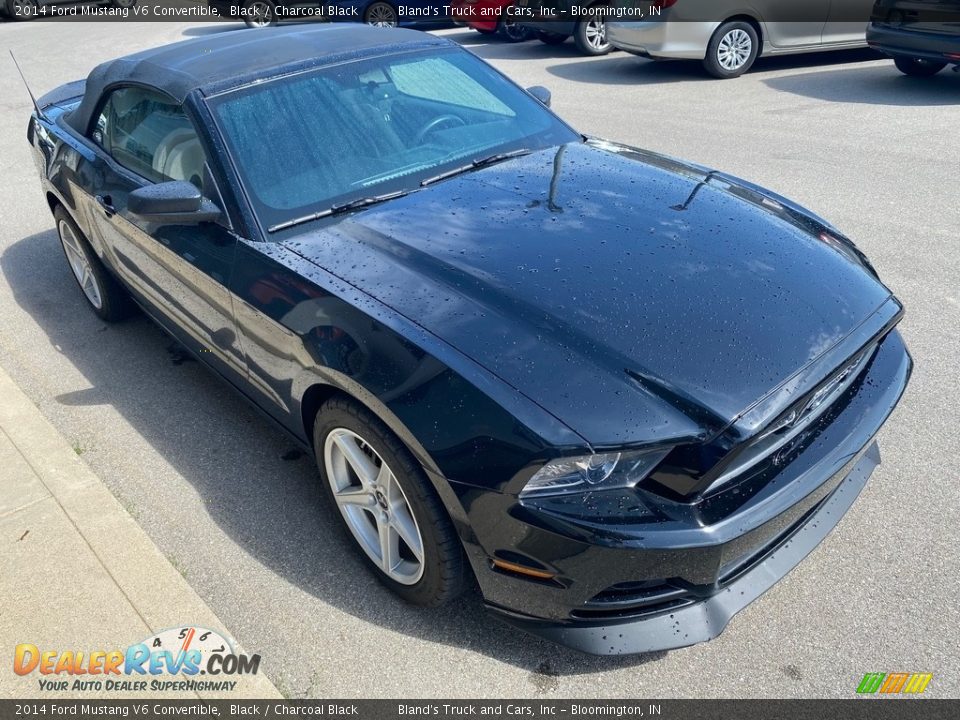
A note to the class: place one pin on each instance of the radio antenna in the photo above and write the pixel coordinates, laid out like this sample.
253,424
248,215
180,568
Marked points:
36,107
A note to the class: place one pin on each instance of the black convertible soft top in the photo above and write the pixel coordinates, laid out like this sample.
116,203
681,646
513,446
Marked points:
233,57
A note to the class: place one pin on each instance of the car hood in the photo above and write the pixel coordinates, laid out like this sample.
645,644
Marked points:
634,297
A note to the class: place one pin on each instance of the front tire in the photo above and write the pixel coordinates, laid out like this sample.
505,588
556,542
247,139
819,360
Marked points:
387,505
259,13
590,37
104,295
381,14
918,67
732,50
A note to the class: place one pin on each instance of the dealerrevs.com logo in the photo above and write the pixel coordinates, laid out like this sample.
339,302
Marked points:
179,659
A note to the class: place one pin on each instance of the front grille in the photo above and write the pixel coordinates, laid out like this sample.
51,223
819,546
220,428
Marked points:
791,427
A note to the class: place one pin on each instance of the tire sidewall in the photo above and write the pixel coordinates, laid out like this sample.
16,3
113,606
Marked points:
115,304
396,16
918,67
712,61
511,31
11,13
584,46
420,495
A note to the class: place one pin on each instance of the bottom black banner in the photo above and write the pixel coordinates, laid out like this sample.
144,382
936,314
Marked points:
865,708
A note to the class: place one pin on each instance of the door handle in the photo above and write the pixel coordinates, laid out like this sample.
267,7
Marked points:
106,205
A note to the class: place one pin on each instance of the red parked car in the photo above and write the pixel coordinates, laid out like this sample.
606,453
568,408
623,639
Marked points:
490,17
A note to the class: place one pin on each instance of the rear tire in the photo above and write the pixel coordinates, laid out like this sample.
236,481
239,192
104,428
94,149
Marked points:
732,50
388,503
918,67
260,13
104,295
511,31
590,37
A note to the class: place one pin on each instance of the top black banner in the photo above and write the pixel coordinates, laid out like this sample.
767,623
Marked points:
432,12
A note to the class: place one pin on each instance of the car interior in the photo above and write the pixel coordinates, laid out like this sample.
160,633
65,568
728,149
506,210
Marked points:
151,136
397,120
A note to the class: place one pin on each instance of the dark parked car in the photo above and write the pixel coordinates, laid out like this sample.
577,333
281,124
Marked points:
625,393
922,36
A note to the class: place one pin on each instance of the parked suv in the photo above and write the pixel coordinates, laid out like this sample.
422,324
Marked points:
728,35
922,36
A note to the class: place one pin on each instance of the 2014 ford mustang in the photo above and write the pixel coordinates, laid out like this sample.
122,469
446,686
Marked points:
624,393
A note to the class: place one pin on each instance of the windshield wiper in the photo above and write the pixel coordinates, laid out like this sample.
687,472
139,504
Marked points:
357,204
475,164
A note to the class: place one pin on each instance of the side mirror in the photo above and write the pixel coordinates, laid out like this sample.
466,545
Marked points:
540,93
172,203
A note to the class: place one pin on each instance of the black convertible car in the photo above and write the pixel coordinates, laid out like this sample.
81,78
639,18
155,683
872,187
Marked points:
623,393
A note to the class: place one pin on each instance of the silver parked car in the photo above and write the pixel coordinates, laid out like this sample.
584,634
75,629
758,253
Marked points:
728,35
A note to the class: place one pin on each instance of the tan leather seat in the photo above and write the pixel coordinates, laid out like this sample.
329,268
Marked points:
180,156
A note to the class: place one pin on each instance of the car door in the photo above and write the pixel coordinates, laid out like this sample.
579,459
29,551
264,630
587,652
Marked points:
179,272
791,24
847,22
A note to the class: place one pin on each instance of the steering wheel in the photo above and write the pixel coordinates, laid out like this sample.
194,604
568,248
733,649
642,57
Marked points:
435,123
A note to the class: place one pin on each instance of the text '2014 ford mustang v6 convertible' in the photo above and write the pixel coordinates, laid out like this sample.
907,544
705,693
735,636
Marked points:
624,393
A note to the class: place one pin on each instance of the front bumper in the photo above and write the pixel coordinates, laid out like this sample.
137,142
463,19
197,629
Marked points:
898,41
638,581
706,619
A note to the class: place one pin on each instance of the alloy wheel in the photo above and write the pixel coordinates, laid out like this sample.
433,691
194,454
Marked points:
80,265
260,13
382,15
374,506
734,49
596,34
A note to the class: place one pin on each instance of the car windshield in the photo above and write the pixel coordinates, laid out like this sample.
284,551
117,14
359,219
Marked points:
307,143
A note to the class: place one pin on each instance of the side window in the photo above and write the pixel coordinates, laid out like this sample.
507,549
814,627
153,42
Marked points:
149,134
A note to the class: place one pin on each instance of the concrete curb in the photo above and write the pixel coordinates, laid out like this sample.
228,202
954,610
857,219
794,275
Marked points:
74,562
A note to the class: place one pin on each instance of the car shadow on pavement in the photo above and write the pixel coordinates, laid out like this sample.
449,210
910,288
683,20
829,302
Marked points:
621,68
260,490
873,85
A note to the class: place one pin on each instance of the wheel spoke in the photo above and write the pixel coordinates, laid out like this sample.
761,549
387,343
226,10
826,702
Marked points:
386,483
389,555
361,464
360,498
402,522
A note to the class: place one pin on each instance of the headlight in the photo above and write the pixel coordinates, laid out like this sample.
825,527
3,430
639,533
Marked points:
605,471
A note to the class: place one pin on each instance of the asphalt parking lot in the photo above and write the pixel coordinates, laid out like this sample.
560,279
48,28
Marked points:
237,510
